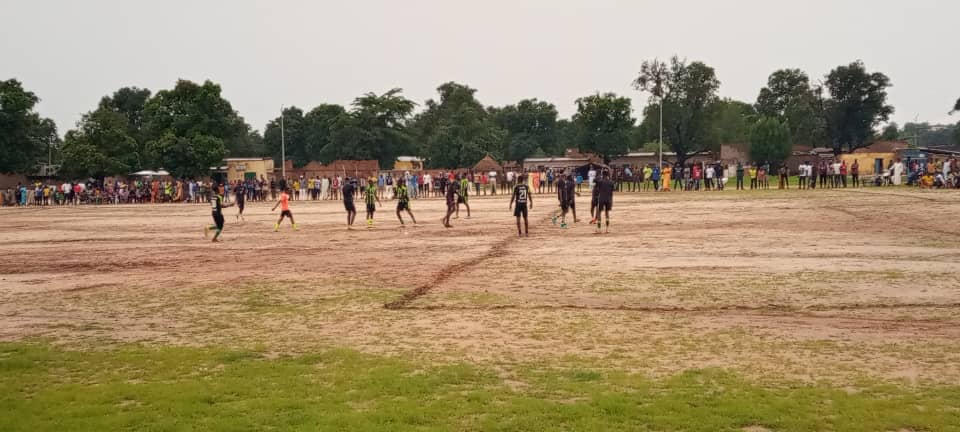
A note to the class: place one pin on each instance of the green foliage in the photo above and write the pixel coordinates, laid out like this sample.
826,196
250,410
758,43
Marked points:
734,120
770,141
604,125
530,125
857,104
691,106
926,134
567,135
24,135
789,97
956,106
891,132
189,126
110,140
140,388
457,131
650,147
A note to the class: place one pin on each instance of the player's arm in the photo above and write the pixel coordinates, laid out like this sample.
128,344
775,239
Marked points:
530,201
227,204
275,205
512,197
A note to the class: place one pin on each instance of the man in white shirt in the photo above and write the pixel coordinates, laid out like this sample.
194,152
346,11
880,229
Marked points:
492,181
428,183
591,176
510,178
710,173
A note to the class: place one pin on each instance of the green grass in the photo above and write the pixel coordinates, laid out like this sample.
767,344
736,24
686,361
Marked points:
209,389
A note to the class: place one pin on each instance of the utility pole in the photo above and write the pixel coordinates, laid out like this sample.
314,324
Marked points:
283,148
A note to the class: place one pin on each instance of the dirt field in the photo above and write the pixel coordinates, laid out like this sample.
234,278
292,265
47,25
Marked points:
824,286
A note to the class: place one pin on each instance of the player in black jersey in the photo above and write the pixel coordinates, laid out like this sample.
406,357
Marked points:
521,194
403,202
241,194
217,205
561,191
453,192
604,188
349,188
593,204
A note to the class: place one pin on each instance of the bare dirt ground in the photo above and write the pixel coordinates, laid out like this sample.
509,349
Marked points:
828,285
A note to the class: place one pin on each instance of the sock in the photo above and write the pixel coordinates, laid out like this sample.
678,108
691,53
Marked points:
276,226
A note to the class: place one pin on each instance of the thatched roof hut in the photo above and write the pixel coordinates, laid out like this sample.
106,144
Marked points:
487,164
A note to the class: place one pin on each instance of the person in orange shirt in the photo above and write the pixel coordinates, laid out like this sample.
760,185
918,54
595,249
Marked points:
284,203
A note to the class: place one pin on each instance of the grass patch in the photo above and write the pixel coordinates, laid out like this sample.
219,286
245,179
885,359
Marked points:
161,389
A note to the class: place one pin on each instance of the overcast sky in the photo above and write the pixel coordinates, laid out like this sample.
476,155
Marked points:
271,53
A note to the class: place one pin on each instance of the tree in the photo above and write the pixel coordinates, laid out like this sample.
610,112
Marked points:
605,125
530,125
733,121
293,142
567,135
189,126
376,128
24,135
857,104
109,140
790,98
691,106
456,131
891,132
770,141
956,107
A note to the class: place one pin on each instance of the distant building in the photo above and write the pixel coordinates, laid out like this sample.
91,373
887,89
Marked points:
246,168
408,163
350,168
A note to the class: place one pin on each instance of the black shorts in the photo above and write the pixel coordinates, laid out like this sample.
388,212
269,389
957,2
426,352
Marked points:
605,206
401,206
286,213
593,203
572,204
240,204
520,210
564,206
461,200
218,220
348,206
371,208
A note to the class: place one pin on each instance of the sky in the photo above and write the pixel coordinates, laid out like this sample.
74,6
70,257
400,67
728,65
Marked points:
266,54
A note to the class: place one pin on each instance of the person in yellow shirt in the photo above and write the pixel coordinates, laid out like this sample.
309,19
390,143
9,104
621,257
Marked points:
753,176
296,189
310,188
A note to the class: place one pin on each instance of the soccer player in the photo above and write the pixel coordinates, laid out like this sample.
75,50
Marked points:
217,205
240,193
561,193
521,194
370,196
348,190
403,203
463,190
604,200
453,192
594,194
284,203
568,202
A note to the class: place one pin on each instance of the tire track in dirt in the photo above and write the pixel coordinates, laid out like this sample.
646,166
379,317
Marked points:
498,249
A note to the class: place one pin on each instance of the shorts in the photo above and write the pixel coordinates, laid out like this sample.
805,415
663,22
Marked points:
593,203
401,206
218,220
605,206
520,210
240,204
564,206
286,213
371,208
348,206
462,200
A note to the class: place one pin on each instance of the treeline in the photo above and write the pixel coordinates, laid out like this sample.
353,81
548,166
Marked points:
191,127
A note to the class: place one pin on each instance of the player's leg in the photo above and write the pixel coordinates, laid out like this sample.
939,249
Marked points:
467,205
410,212
526,223
218,224
292,222
519,232
399,217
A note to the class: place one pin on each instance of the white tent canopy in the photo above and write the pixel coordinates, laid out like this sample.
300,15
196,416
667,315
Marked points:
148,173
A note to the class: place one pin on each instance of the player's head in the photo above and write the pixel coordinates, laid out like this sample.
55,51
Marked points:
521,178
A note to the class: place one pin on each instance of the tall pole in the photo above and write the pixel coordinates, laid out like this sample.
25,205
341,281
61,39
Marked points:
661,132
283,148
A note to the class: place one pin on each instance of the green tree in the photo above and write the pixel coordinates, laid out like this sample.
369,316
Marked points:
530,125
456,131
25,137
189,126
734,120
891,132
293,142
109,140
567,135
770,141
605,125
376,128
956,107
790,98
857,104
691,106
